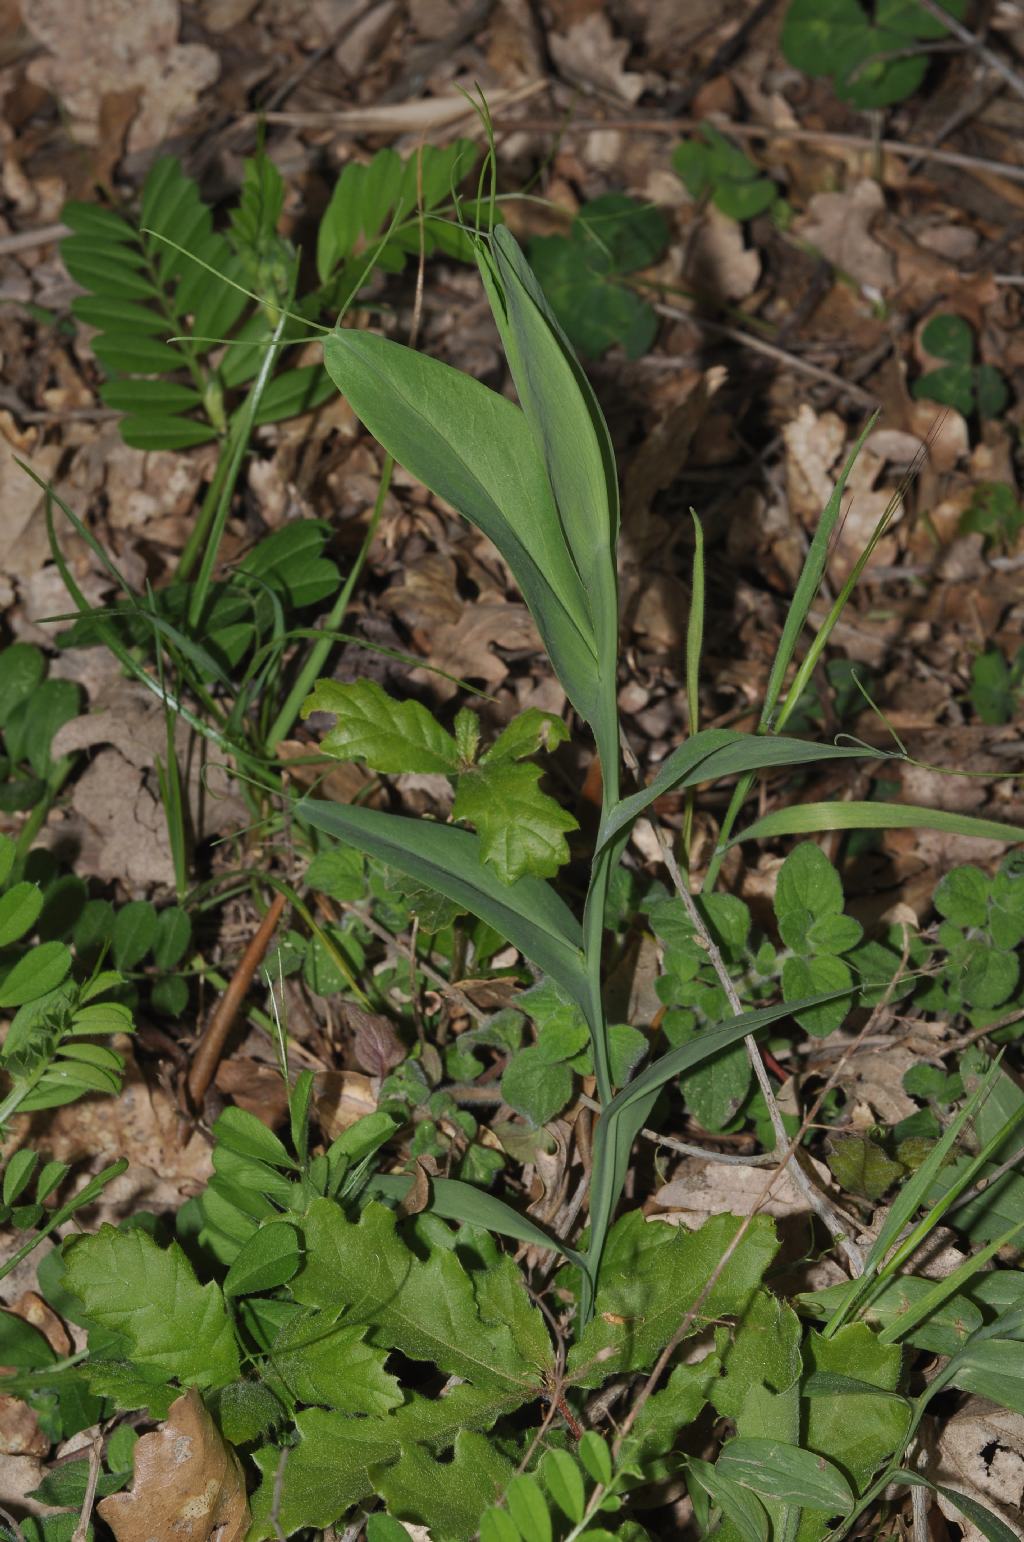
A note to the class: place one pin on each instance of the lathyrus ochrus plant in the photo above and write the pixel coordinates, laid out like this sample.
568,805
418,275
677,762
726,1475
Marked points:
538,478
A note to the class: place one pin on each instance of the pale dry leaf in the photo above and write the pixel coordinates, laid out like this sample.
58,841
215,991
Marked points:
187,1483
701,1189
814,442
980,1451
587,54
839,226
24,544
341,1098
31,1308
873,1079
20,1434
719,265
97,46
465,648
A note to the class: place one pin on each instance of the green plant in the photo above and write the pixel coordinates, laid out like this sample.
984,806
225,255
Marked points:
358,1331
959,382
713,168
875,54
994,513
585,275
996,685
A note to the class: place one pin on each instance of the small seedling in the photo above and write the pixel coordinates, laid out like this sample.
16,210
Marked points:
997,686
959,382
995,513
875,54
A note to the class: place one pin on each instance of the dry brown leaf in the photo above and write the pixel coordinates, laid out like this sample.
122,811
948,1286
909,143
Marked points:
839,225
24,545
187,1484
719,265
20,1434
31,1308
255,1086
700,1189
588,55
97,46
980,1451
341,1098
465,648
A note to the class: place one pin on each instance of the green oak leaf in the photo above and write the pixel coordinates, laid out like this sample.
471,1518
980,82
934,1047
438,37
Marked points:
151,1296
320,1360
446,1496
521,829
390,736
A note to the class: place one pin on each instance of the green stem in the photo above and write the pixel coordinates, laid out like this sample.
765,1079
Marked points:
196,542
314,664
241,429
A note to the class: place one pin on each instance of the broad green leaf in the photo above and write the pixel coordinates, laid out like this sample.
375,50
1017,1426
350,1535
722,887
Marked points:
474,449
716,752
156,431
388,735
860,1166
173,935
787,1473
269,1258
22,669
426,1308
529,732
321,1360
714,1091
741,1508
447,1496
674,1406
496,1526
534,1086
572,440
329,1470
811,818
821,975
857,1432
993,1368
529,1508
651,1274
521,829
151,1296
528,913
18,1174
763,1349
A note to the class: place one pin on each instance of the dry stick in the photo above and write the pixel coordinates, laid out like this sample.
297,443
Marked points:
27,240
898,147
211,1045
81,1531
684,1147
817,1201
972,41
815,371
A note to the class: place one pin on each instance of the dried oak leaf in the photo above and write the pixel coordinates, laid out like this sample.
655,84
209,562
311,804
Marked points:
465,649
188,1483
98,46
587,54
839,225
981,1453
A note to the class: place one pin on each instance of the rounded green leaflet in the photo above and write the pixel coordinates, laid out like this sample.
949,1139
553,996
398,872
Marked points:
40,970
529,1509
593,1452
269,1258
498,1526
564,1482
19,910
135,928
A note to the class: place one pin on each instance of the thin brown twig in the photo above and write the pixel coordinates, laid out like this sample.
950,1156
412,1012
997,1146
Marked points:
817,1201
685,1147
770,351
898,147
81,1530
211,1045
976,45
